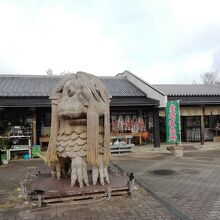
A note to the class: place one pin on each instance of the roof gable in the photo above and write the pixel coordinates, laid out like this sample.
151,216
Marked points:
150,91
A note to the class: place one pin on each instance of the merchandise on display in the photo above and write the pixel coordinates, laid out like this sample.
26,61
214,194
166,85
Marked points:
127,124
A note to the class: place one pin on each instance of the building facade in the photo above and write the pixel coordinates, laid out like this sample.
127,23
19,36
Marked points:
136,107
199,110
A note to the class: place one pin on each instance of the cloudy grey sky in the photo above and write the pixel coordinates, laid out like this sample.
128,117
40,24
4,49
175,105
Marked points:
161,41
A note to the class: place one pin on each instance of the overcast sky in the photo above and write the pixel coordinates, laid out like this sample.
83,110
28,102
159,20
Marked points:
161,41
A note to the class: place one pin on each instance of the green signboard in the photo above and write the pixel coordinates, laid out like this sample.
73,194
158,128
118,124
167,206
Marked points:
173,122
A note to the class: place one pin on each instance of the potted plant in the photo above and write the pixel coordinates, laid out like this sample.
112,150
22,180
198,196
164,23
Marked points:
4,146
4,159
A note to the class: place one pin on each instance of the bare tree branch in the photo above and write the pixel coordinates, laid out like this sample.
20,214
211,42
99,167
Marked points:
49,72
210,78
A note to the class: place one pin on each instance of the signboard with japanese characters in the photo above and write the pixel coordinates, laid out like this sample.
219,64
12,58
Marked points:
173,122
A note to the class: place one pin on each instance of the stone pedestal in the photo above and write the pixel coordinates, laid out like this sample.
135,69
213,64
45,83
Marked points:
178,151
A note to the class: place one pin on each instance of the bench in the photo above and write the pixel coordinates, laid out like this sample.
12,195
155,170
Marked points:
122,146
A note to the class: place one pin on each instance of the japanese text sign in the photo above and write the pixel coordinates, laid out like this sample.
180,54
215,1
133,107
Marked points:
172,122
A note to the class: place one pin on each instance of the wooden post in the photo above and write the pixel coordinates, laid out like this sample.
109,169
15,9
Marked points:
140,112
156,127
202,128
34,129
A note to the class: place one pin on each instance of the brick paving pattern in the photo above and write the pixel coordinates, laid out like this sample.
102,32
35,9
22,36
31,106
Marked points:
140,206
193,191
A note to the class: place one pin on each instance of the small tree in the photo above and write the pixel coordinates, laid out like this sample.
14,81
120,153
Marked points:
210,78
49,72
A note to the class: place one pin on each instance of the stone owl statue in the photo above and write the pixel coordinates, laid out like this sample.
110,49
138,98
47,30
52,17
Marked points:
80,128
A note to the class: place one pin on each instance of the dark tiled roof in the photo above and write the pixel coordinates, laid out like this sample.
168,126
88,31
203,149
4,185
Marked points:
29,85
120,87
190,90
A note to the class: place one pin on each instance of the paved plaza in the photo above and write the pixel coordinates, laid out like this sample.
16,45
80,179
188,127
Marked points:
140,205
191,192
193,189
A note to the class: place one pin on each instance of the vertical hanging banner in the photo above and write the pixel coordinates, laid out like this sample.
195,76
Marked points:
173,122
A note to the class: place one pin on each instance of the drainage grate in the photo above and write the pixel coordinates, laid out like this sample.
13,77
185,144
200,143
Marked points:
162,172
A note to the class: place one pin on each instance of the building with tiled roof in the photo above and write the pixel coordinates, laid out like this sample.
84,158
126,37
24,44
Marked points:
32,89
27,97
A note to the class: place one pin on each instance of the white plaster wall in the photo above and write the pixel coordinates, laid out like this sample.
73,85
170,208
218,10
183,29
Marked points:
145,87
